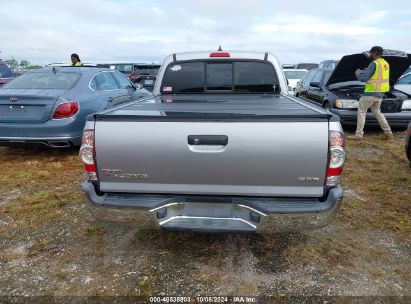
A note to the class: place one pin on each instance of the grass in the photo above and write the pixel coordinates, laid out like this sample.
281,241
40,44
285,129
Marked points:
38,207
44,185
382,175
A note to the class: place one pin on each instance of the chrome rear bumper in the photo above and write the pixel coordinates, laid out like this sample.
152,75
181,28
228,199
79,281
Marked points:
214,214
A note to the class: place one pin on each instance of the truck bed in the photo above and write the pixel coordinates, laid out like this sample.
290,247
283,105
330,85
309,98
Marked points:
216,107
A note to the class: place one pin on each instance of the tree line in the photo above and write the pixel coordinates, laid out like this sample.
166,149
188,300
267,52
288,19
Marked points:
23,64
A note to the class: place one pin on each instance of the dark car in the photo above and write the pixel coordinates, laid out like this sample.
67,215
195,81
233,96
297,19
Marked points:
50,105
339,90
145,74
408,143
6,74
328,64
306,66
124,68
142,73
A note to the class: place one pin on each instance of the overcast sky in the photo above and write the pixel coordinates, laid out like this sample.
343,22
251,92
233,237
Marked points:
45,31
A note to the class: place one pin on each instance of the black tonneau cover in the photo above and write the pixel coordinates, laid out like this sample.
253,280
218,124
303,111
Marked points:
215,107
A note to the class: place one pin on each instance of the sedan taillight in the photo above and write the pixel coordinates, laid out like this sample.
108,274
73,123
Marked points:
336,158
66,110
87,154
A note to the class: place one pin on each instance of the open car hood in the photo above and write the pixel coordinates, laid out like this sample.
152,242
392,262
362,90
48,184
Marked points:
345,69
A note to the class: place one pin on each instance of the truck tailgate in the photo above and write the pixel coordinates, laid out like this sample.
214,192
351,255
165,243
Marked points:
271,158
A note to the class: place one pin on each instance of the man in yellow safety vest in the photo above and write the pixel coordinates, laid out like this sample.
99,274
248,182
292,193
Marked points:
377,79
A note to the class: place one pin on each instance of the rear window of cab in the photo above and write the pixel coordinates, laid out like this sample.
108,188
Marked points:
220,77
44,80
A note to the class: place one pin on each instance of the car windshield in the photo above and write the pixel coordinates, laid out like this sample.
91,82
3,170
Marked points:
5,72
147,70
295,74
405,79
220,77
44,80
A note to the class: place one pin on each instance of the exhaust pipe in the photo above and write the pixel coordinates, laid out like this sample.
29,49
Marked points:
59,144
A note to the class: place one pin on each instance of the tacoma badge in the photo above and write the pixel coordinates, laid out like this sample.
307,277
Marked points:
117,173
308,179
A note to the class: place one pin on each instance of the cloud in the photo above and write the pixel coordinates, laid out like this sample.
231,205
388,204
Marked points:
302,24
126,30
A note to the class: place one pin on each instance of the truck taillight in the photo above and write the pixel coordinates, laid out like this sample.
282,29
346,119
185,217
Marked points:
66,110
87,154
336,158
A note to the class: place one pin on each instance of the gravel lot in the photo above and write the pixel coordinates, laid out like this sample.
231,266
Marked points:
50,245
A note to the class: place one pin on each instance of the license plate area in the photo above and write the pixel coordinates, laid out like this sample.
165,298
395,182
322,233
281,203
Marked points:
200,216
21,112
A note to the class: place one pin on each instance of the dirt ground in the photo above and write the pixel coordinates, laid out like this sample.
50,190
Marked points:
50,245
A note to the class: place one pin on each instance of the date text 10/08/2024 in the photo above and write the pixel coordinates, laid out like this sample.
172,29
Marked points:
203,299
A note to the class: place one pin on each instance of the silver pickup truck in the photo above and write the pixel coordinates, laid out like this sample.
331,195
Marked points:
220,147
